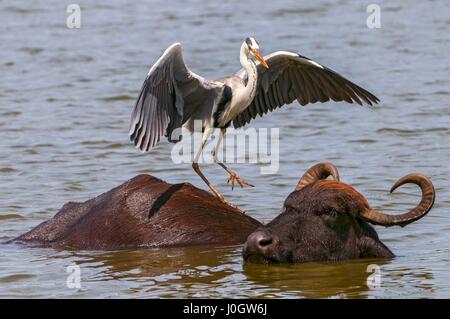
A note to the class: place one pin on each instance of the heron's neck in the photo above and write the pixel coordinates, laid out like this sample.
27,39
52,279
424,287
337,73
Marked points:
252,73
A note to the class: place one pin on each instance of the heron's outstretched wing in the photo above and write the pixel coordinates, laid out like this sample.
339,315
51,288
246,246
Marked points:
290,77
171,94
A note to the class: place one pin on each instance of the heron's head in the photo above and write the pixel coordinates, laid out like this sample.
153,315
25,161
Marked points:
253,49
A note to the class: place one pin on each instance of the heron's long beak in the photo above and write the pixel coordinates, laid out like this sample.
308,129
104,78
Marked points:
259,57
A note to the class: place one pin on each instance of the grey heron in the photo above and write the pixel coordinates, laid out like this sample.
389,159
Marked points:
173,96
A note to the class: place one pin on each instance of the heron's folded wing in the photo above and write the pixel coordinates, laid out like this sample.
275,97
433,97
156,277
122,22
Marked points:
171,93
290,77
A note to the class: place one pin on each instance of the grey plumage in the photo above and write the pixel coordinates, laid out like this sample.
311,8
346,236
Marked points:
172,96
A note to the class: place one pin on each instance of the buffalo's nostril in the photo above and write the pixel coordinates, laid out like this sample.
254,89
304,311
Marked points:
265,242
260,247
259,240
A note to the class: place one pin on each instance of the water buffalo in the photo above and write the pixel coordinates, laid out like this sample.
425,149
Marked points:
327,220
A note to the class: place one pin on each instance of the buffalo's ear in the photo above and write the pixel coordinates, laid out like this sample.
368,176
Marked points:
373,248
369,245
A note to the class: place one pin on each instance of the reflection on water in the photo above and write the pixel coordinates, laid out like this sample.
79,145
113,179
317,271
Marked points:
197,272
65,102
315,280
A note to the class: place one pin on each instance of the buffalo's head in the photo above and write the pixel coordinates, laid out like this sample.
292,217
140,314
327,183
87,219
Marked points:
328,220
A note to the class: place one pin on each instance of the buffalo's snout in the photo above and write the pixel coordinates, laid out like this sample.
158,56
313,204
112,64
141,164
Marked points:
259,240
259,246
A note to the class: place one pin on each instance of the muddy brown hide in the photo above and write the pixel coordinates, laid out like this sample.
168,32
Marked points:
143,212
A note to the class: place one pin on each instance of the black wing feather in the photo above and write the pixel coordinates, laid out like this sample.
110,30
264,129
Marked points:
291,76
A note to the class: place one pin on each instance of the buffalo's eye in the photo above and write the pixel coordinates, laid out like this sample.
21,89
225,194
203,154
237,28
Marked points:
332,212
333,218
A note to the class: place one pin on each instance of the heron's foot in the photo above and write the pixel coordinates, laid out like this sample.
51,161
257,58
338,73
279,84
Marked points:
234,178
223,200
231,205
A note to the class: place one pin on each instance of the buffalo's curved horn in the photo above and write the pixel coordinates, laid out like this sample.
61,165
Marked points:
427,201
318,171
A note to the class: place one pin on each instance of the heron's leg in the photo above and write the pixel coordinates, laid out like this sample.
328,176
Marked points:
196,168
233,176
219,142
